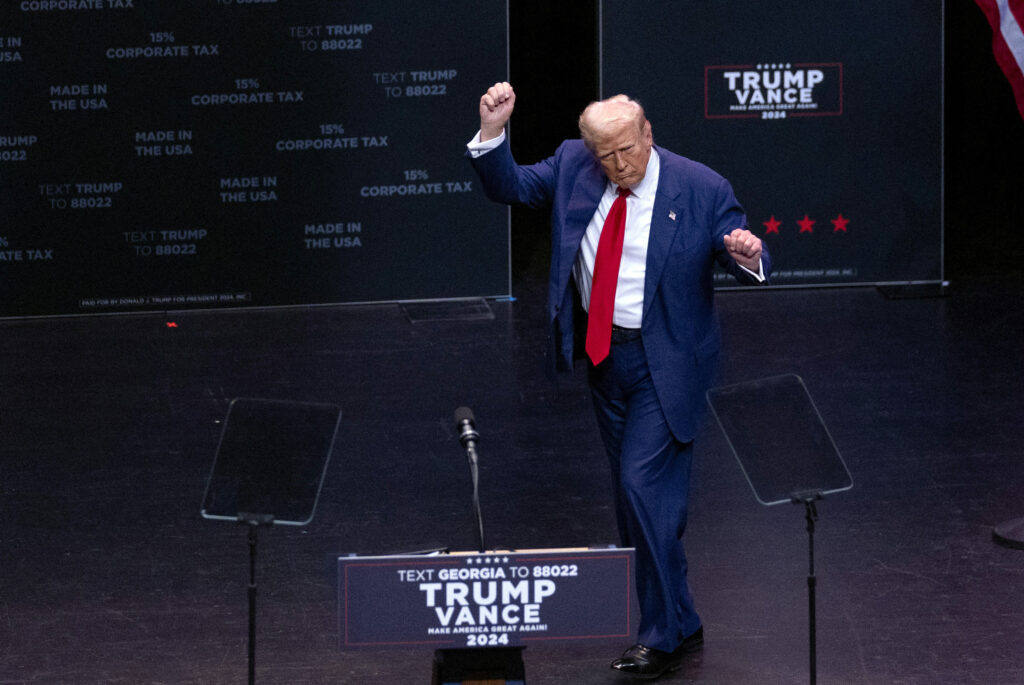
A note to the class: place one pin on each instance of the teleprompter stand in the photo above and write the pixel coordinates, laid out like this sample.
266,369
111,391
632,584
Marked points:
253,522
269,469
786,453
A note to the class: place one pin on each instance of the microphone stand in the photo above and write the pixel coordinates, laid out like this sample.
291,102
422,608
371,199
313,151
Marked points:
475,475
454,664
468,437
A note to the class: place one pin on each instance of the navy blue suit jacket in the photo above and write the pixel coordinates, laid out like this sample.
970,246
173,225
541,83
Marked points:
694,208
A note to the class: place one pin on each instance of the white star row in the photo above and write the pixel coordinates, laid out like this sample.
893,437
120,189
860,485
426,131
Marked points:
486,559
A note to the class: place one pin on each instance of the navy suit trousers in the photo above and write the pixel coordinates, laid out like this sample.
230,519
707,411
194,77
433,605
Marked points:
651,477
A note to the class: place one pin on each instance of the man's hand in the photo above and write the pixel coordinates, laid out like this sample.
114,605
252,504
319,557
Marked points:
496,107
744,247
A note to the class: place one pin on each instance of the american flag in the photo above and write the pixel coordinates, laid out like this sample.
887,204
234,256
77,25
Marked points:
1007,20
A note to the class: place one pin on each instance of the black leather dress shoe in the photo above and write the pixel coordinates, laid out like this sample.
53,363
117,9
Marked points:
641,661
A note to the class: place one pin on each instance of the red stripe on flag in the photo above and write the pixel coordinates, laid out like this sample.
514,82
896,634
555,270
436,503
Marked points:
1017,7
1009,48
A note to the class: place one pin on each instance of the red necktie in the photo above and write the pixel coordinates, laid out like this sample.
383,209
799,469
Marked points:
606,277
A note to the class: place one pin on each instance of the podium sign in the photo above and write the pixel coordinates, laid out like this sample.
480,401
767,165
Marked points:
485,600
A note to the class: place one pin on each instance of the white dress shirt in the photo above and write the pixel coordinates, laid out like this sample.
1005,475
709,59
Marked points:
629,293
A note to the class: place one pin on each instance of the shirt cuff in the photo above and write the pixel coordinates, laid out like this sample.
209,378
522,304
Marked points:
476,148
759,274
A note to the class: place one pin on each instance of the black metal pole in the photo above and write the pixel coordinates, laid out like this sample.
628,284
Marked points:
252,602
811,514
475,475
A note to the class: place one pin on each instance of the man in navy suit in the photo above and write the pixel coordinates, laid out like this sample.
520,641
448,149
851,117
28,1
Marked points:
648,381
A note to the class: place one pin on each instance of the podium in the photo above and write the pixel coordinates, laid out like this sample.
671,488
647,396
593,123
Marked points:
786,453
478,611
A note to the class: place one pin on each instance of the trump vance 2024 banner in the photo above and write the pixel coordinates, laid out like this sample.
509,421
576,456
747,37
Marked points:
826,117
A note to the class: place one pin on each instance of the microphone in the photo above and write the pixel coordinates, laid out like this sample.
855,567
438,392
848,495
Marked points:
468,437
467,431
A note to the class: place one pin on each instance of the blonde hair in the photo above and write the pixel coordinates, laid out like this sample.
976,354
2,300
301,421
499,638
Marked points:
604,114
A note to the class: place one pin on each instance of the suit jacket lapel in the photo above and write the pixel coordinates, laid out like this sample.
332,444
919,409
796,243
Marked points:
666,224
586,195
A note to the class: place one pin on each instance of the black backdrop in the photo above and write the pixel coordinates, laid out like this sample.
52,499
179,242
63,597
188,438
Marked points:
983,133
554,65
167,154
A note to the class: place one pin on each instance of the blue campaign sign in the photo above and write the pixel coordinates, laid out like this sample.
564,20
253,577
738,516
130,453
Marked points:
486,600
826,118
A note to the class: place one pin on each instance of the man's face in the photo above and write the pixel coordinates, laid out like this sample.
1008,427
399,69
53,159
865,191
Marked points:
623,153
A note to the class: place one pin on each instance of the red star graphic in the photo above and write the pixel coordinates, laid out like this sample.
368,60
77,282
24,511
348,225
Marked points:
772,225
839,223
806,224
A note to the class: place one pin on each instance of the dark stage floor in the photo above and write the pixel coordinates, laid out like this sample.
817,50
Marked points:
108,574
